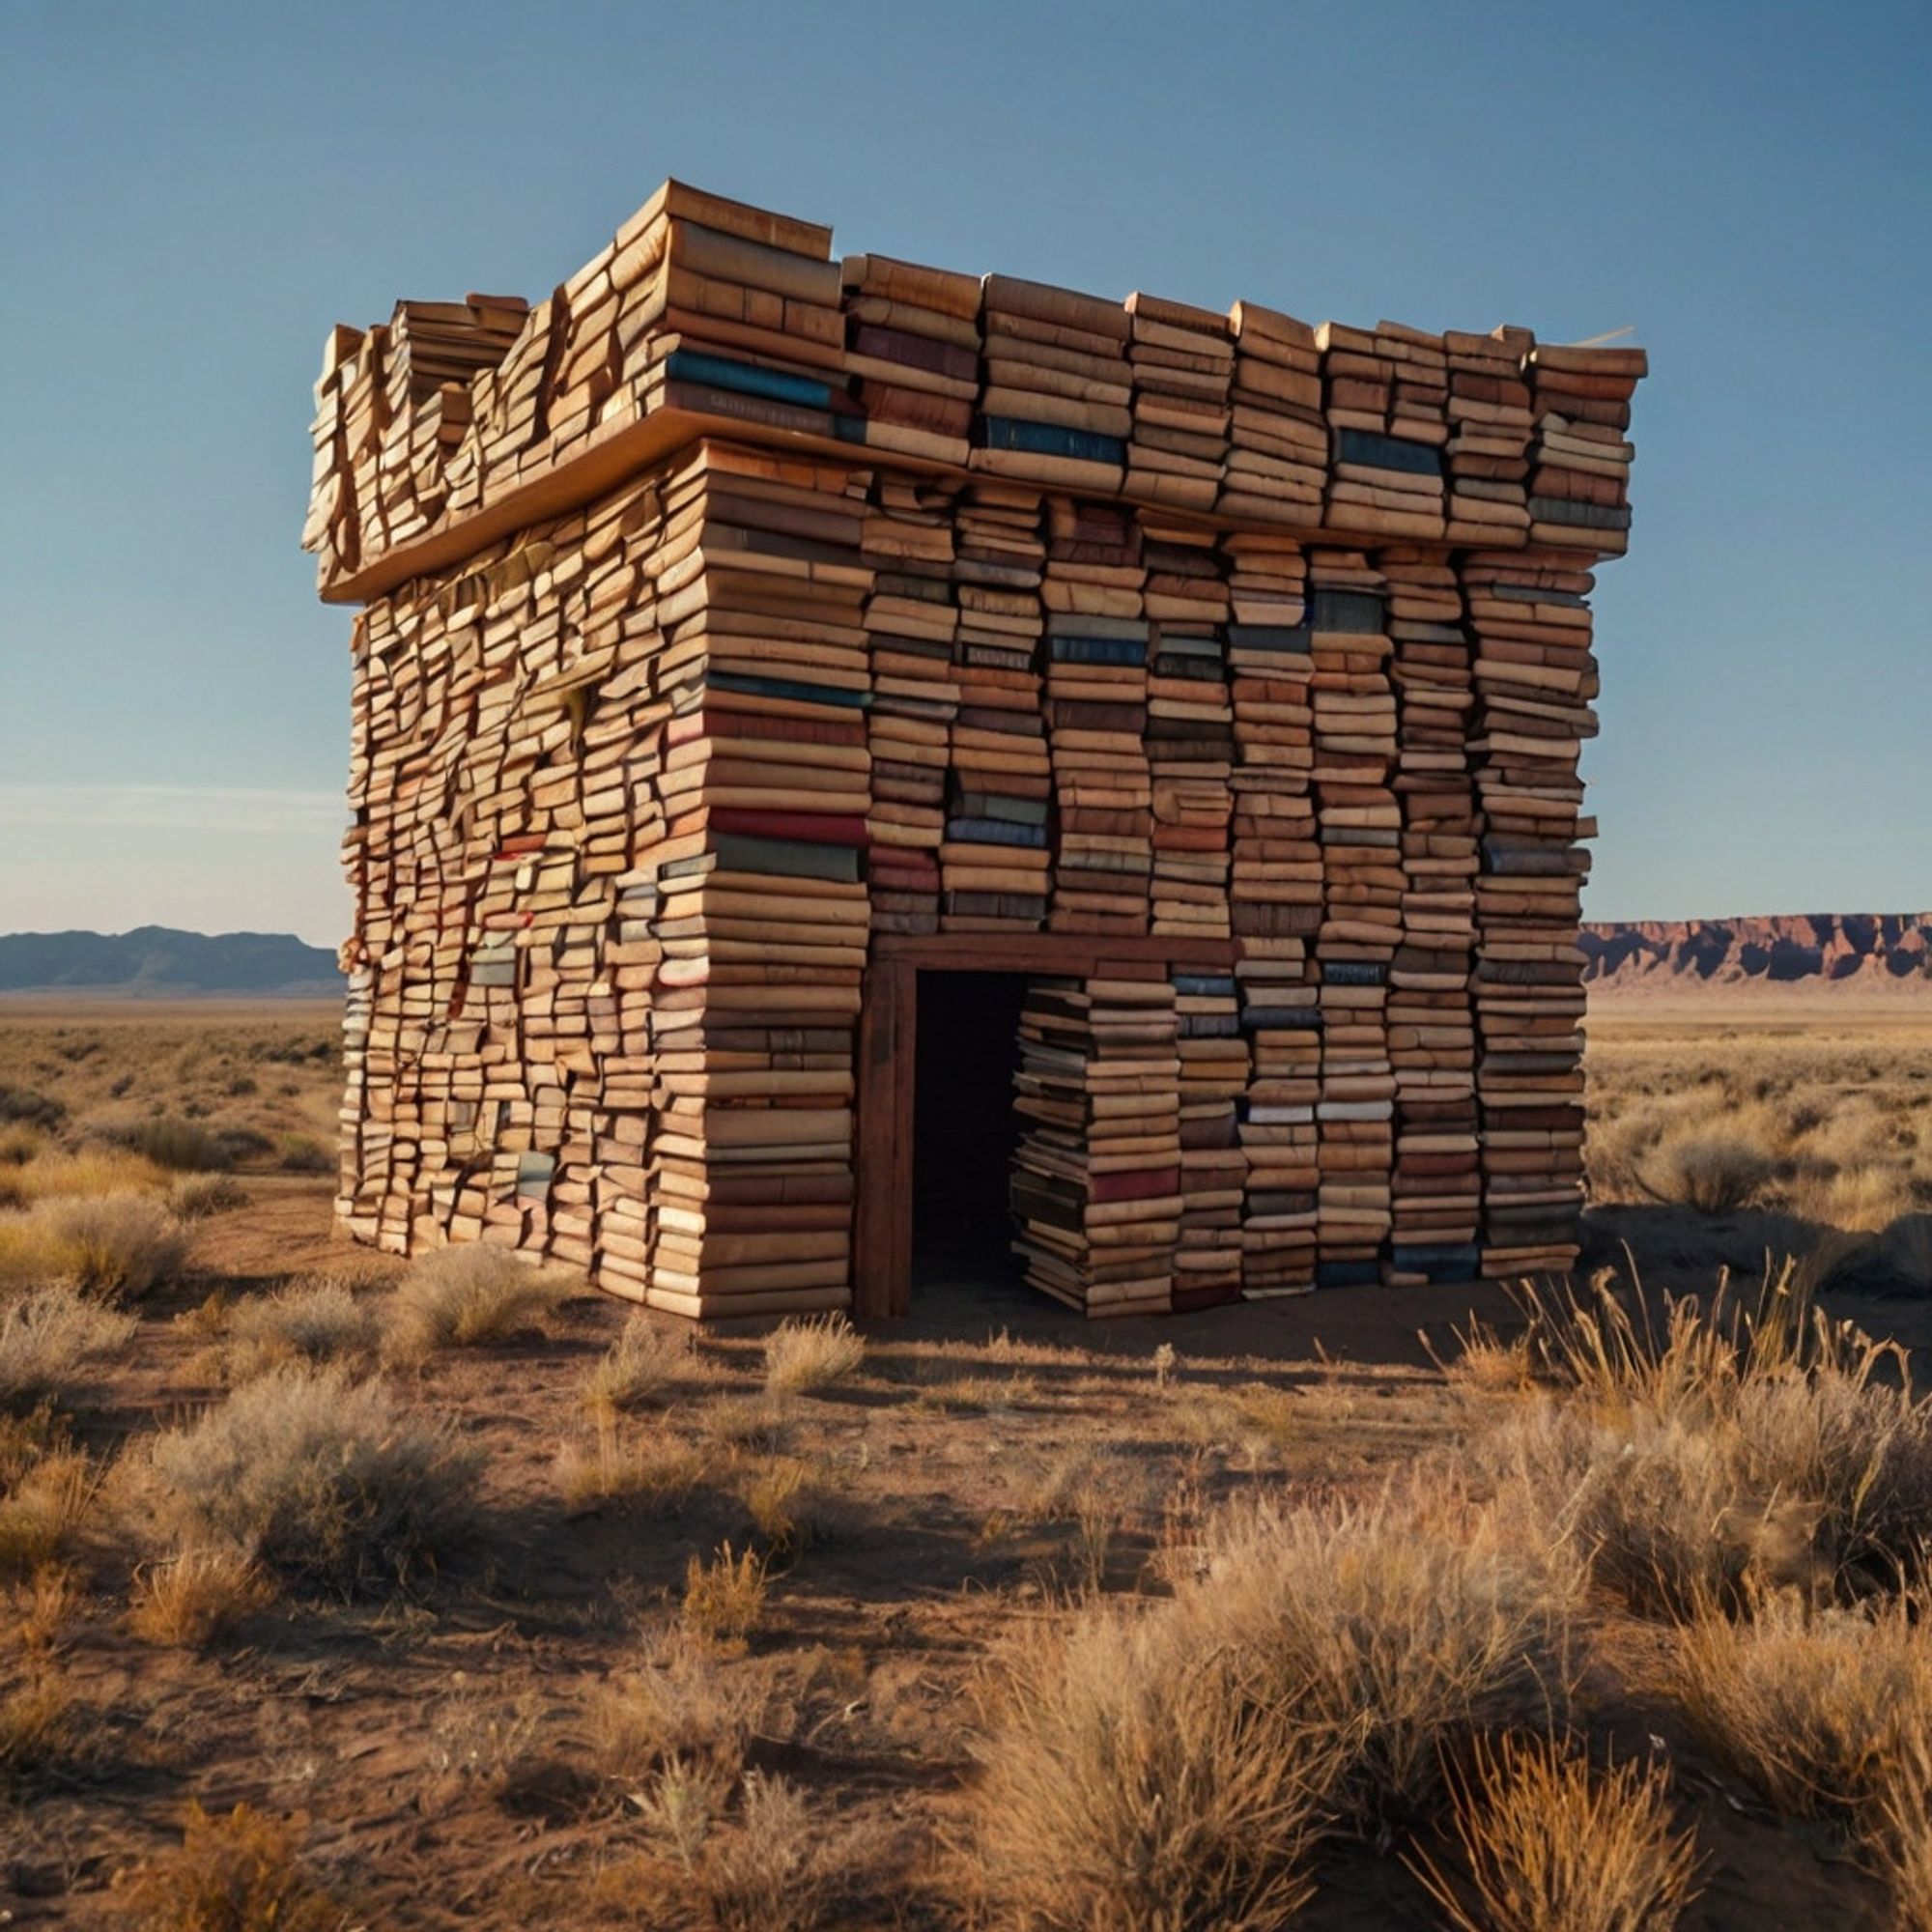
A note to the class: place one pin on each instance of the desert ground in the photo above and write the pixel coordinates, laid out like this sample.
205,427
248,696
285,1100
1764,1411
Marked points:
344,1592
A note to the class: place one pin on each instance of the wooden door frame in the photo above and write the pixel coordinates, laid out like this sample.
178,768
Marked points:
888,1060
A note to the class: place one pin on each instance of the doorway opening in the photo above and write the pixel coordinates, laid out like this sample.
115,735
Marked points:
964,1127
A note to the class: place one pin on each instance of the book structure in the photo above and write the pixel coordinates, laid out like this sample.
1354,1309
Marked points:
746,630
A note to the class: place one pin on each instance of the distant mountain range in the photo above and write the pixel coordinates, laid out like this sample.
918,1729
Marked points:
157,962
1799,949
1857,951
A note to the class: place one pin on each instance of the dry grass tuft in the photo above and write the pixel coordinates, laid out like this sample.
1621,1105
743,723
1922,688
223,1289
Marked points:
468,1296
790,1501
1711,1172
118,1245
685,1706
20,1142
323,1479
1173,1768
655,1470
47,1335
92,1171
1821,1711
48,1495
196,1597
182,1146
725,1599
638,1368
802,1356
237,1872
315,1322
772,1874
1552,1846
194,1197
38,1724
1700,1457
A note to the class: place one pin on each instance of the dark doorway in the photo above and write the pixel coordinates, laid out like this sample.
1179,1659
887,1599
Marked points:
964,1127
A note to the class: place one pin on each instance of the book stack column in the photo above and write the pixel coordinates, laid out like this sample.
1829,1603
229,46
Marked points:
912,627
994,865
1097,1180
1277,465
1534,678
1275,906
912,348
1581,458
1385,392
1488,436
763,915
1215,1075
1182,361
1056,401
1360,825
1431,1033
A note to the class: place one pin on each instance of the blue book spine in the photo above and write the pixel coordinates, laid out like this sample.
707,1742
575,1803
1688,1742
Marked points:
996,831
1098,650
690,365
785,687
1051,440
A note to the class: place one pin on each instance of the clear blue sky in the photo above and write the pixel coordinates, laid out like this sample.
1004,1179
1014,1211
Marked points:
190,195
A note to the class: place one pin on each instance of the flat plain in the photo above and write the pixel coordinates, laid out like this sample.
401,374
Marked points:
341,1591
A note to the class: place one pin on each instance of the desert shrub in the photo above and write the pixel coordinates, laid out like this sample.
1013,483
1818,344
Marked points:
323,1479
1726,1447
33,1109
303,1154
791,1502
119,1245
49,1492
237,1872
654,1470
1899,1835
1134,1778
194,1197
466,1297
1713,1172
196,1596
1825,1712
761,1423
20,1143
637,1367
802,1355
44,1338
169,1141
725,1599
1172,1768
315,1322
683,1706
1552,1846
92,1170
773,1874
38,1724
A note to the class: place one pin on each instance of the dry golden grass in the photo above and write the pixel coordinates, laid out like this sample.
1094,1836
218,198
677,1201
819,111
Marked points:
805,1356
312,1321
1714,1450
197,1596
775,1873
239,1871
639,1367
57,1174
1551,1845
119,1245
46,1336
469,1296
1173,1768
725,1599
324,1480
1825,1122
685,1706
194,1197
791,1501
45,1502
39,1723
650,1469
